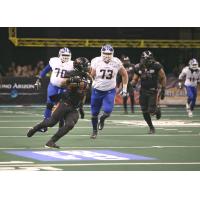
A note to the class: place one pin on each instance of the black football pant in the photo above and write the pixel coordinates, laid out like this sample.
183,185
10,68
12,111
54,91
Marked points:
148,103
62,111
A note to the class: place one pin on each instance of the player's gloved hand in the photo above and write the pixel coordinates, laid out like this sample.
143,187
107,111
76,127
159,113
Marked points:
180,85
133,85
124,93
75,79
162,93
82,113
38,84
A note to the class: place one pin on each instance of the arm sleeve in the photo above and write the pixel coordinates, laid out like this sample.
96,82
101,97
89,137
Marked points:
45,71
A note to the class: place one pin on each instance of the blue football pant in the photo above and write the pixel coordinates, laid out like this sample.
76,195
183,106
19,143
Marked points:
192,96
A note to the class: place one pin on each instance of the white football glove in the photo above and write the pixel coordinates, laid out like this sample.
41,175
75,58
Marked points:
180,85
124,93
37,84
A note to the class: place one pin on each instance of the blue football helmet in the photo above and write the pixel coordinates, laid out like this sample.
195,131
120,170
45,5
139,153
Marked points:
107,53
193,64
64,54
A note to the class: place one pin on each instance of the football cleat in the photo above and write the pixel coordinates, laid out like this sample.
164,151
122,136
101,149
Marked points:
126,112
152,130
190,114
51,144
93,135
158,113
31,132
101,123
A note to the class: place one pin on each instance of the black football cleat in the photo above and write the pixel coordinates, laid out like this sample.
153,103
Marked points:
152,130
51,144
93,135
158,113
101,123
31,132
126,112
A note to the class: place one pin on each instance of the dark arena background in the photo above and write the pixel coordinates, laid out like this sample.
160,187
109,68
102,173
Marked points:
123,145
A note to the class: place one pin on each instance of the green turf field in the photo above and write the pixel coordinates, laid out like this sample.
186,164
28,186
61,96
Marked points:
175,146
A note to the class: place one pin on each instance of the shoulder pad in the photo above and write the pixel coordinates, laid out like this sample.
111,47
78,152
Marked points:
54,61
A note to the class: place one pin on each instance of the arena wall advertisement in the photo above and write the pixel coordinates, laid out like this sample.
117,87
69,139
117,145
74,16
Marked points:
20,90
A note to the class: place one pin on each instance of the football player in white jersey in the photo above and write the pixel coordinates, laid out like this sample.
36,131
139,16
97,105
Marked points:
104,72
59,67
191,74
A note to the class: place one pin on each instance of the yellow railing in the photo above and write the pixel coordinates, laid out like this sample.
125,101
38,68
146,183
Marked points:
117,43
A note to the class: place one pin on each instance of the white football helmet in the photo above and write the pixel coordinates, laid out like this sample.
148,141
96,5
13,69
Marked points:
64,55
193,64
107,53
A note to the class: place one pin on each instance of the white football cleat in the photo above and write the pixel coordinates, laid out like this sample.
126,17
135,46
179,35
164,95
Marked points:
190,114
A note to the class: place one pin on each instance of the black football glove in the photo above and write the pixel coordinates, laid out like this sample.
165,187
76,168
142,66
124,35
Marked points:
38,84
82,113
75,79
162,93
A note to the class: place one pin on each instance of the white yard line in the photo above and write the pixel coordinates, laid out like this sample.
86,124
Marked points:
16,162
136,147
101,164
104,135
185,131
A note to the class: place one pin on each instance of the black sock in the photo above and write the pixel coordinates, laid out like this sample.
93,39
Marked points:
132,102
147,118
94,122
125,103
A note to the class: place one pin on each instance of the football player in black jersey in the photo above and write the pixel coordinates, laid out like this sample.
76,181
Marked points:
130,90
77,84
152,77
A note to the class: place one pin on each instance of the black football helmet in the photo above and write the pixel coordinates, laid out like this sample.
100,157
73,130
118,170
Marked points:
126,62
81,64
146,57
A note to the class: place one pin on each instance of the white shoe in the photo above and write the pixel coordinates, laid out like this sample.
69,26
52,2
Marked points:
187,106
190,114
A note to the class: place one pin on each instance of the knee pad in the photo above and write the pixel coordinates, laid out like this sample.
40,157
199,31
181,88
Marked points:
49,106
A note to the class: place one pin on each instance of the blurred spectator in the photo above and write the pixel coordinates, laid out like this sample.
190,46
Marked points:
2,73
23,70
18,71
11,71
177,69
